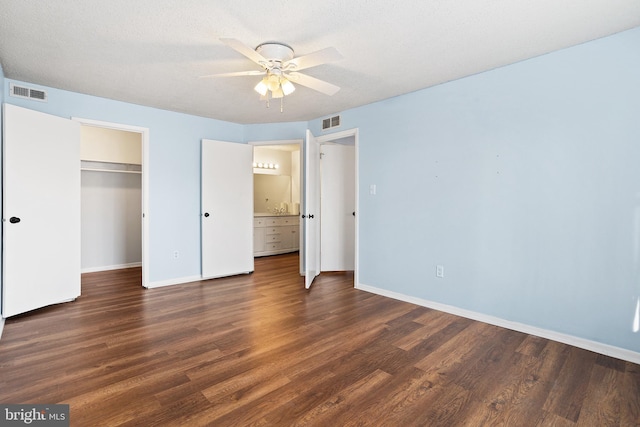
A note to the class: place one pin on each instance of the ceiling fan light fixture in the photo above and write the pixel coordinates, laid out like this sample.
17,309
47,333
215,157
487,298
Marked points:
273,82
287,86
261,87
278,93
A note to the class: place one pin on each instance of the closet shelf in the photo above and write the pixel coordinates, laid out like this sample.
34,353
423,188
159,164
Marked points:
95,166
110,170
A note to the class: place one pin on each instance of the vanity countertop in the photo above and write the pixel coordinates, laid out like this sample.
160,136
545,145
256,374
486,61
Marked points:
259,214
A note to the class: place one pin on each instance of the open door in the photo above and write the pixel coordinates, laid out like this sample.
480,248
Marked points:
41,210
311,215
338,207
227,208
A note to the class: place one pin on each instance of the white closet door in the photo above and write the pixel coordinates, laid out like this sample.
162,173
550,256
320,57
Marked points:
41,215
311,216
227,208
338,200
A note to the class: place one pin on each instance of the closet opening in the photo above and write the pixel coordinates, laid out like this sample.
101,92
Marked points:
112,196
338,202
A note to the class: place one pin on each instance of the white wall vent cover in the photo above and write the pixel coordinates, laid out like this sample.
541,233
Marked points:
330,122
27,92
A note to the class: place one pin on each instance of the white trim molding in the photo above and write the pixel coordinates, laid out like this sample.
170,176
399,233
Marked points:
110,267
276,142
176,281
607,350
1,326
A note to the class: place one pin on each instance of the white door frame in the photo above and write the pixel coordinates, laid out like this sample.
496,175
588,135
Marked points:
299,143
324,139
333,137
144,134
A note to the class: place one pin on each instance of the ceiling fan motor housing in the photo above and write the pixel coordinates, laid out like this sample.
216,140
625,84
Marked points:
275,52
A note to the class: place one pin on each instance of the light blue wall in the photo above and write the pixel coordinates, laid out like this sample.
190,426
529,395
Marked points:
174,170
275,131
524,182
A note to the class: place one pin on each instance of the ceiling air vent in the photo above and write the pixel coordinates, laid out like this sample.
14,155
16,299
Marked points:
27,92
331,122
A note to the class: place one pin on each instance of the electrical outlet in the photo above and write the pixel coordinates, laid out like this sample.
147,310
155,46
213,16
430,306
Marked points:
176,254
439,270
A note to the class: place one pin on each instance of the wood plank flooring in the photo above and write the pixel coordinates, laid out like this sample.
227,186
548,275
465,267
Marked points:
261,350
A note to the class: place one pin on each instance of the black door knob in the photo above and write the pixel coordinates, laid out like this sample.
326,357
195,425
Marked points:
206,214
310,216
353,213
14,220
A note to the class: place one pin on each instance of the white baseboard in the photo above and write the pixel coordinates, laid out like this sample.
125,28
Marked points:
177,281
182,280
606,349
110,267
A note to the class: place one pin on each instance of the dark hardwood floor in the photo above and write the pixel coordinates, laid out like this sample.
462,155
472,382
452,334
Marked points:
261,350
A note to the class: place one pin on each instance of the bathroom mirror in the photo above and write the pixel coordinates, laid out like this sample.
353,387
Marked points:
270,192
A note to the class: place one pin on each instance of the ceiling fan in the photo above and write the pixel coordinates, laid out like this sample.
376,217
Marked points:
280,69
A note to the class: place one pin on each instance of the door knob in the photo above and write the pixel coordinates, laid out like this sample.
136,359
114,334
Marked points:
206,214
353,213
310,216
14,220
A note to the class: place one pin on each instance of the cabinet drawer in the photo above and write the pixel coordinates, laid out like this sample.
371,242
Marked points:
272,238
293,220
259,222
272,246
286,220
272,230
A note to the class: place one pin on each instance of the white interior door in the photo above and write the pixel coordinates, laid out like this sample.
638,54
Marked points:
227,208
338,205
311,214
41,210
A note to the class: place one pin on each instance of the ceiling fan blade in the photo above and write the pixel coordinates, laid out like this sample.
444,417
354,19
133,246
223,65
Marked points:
245,50
313,83
329,54
237,73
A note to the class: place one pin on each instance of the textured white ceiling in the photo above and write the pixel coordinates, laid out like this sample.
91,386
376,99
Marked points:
151,52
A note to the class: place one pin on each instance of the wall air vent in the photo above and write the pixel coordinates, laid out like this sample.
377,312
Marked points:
330,122
27,93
